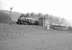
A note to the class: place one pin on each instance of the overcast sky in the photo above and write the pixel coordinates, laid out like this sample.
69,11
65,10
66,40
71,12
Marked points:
60,8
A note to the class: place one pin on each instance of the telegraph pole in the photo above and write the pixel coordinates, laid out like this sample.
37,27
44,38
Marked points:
10,12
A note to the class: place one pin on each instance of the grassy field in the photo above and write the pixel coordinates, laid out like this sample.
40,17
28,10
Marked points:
25,37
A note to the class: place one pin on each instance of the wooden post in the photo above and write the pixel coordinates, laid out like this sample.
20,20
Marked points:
44,27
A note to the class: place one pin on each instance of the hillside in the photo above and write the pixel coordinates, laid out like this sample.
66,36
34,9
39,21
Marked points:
5,15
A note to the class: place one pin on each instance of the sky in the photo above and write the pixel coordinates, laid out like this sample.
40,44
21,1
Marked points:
59,8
